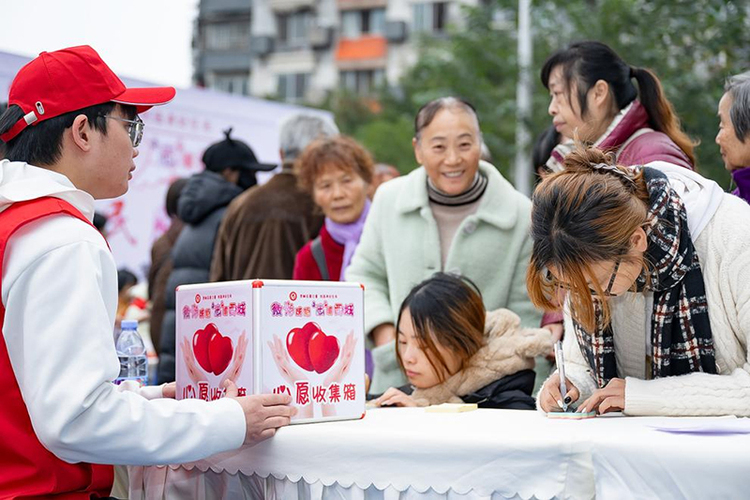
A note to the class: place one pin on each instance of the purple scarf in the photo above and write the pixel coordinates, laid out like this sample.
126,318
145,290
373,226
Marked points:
348,235
741,178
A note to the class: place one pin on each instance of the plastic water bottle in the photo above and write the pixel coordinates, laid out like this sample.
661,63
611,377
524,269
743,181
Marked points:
132,353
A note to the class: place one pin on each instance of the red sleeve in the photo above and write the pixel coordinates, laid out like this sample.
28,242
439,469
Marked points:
305,267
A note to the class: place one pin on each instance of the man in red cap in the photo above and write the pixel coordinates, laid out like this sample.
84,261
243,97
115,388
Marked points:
71,131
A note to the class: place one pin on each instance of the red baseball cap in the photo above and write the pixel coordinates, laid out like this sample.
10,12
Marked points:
66,80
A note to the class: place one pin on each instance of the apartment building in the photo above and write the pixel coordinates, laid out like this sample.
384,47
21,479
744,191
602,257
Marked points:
298,50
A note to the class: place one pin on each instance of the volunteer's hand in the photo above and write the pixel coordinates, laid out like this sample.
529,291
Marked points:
264,413
394,397
169,390
610,398
550,398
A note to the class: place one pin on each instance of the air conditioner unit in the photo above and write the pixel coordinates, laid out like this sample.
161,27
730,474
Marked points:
321,37
261,45
395,31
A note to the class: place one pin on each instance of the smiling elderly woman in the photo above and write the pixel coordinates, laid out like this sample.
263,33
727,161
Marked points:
734,132
455,214
337,172
657,274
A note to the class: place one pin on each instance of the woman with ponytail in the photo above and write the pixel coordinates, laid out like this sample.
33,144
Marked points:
600,99
657,311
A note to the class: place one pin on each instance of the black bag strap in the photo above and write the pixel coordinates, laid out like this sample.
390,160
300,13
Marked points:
320,258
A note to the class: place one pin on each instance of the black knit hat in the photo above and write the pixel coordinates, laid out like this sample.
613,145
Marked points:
232,153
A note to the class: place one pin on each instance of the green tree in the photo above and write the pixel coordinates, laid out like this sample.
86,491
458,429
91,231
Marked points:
691,45
389,141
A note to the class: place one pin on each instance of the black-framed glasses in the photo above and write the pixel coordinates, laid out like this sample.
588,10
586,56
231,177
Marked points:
551,280
135,128
612,278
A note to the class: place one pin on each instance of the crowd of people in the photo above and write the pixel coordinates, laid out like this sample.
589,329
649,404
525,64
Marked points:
625,253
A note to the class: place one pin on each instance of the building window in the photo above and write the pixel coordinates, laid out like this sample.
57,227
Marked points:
377,22
232,83
227,36
356,23
351,24
293,86
293,28
362,82
430,17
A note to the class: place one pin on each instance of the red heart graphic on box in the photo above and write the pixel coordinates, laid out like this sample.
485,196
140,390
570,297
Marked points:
312,349
324,350
212,350
297,343
220,352
200,345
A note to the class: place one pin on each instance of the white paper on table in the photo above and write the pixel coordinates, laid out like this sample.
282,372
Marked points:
704,425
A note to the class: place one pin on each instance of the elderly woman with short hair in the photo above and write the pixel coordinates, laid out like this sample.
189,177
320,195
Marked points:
337,172
734,132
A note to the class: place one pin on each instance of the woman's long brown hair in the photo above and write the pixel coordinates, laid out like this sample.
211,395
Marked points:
580,216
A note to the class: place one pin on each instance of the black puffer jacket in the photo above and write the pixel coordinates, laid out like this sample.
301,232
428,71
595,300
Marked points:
512,392
201,206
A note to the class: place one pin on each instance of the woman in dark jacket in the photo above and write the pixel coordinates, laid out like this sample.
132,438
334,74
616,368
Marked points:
452,351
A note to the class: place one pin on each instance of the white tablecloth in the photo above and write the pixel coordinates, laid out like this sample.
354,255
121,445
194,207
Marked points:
404,453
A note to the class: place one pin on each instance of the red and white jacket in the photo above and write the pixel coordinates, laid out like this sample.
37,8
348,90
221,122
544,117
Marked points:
57,358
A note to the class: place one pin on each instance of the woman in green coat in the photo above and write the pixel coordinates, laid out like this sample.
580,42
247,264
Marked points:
455,214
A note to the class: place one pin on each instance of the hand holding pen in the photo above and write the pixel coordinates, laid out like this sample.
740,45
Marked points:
558,392
560,362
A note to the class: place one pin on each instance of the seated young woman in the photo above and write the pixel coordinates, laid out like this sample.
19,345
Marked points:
451,350
657,271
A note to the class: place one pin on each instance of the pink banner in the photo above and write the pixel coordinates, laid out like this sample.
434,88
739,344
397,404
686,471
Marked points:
173,142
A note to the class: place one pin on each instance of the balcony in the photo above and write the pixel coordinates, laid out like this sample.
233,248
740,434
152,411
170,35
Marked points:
219,7
236,60
361,4
366,52
290,5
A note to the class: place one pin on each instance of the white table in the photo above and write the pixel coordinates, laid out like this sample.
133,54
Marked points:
407,453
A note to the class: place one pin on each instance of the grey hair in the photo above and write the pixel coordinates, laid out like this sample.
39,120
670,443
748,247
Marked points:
427,113
299,130
738,87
